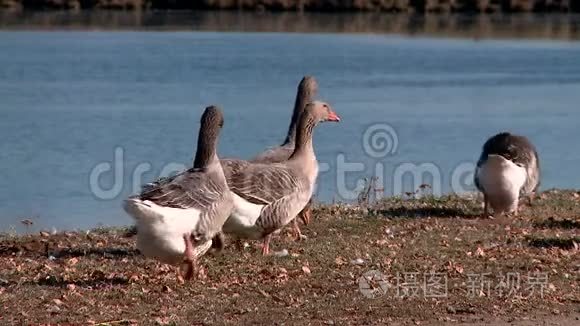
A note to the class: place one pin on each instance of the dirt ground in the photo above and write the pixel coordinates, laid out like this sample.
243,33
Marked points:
425,261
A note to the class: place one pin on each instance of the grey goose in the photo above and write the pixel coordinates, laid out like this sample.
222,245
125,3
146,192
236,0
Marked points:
267,196
306,93
507,169
177,217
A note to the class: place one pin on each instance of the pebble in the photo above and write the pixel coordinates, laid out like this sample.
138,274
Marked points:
357,261
281,253
53,309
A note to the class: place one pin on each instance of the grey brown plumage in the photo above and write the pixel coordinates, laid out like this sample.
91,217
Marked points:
517,149
196,189
306,93
270,195
507,169
179,215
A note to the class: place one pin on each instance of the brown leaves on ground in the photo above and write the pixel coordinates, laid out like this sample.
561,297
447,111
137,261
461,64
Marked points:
489,267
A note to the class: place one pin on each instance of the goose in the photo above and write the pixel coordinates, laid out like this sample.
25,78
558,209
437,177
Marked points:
177,217
307,89
507,169
267,196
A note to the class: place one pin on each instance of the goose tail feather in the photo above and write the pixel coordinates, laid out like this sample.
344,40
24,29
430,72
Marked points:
140,210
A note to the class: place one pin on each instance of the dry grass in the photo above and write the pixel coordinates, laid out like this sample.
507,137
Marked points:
98,277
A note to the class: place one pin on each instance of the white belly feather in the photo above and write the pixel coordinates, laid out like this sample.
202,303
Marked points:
242,220
160,229
501,180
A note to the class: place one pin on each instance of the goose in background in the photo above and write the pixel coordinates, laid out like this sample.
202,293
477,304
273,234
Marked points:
177,217
267,196
507,169
307,90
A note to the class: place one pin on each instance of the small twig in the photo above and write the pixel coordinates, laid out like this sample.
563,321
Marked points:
114,322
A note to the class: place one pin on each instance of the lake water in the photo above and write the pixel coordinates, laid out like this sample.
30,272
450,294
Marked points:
71,101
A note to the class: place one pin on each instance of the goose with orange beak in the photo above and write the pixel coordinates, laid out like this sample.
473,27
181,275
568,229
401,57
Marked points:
268,196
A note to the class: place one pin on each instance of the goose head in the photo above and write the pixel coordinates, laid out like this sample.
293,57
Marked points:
212,121
319,111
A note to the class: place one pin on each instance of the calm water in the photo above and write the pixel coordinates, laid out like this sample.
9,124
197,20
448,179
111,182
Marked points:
68,100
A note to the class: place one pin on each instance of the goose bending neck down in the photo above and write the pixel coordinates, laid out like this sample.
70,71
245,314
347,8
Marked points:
507,169
269,196
177,217
502,180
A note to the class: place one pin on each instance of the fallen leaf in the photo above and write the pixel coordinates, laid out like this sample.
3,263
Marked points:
58,302
480,252
459,269
262,292
71,287
73,261
381,242
162,320
167,289
306,270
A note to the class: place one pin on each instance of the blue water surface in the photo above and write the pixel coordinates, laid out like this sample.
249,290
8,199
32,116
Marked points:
71,101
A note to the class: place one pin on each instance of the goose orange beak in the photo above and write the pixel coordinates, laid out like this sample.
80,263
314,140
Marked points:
332,116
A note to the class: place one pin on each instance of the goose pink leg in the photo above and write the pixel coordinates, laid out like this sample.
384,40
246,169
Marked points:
266,245
485,207
296,228
306,213
189,263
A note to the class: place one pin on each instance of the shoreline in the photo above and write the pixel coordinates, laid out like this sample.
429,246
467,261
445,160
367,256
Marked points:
421,6
29,227
494,26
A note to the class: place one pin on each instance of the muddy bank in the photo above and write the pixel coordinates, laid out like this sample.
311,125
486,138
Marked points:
438,261
474,6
